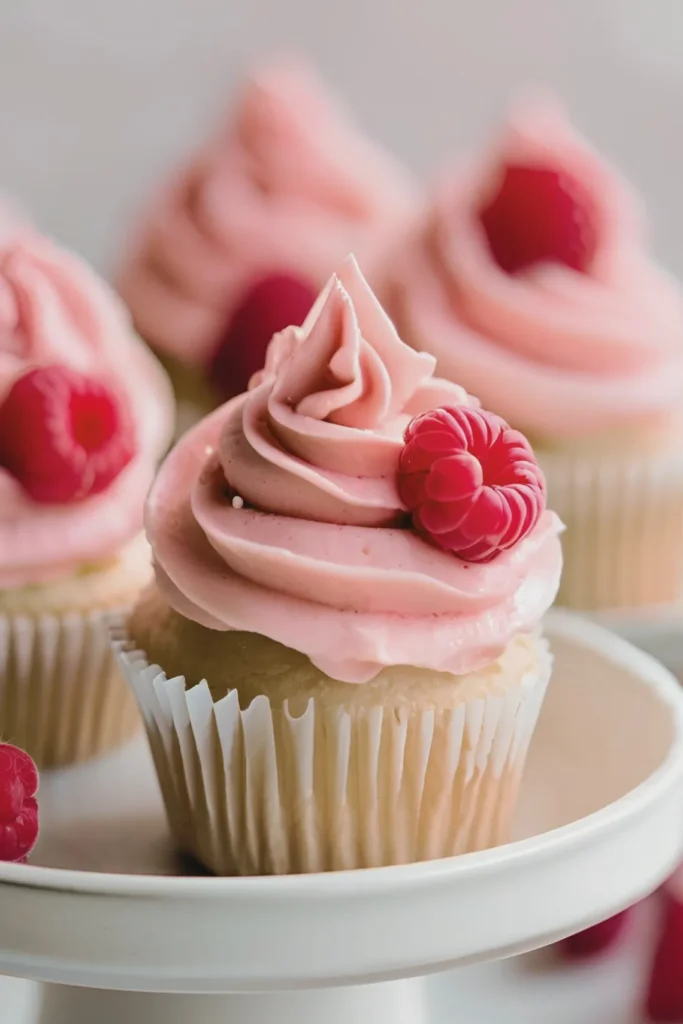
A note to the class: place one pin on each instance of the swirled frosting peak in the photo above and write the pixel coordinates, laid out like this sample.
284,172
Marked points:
55,312
288,186
560,347
320,440
280,513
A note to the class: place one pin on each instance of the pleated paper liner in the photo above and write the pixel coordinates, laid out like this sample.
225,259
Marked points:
63,698
623,546
259,791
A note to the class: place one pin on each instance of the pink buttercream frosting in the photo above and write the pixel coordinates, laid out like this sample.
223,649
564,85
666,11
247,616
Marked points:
290,185
53,310
279,513
14,221
554,351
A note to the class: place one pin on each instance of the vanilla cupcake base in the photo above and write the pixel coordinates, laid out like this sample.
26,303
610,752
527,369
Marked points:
271,767
623,546
62,696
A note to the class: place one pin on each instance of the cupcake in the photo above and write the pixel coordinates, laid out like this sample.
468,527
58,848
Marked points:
85,412
531,283
339,663
241,240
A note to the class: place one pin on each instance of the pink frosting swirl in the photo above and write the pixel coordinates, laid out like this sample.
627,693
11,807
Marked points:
54,310
279,514
289,186
555,352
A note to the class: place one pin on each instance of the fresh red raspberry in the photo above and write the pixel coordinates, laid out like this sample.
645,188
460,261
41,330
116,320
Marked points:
599,939
540,215
471,482
63,435
18,804
273,303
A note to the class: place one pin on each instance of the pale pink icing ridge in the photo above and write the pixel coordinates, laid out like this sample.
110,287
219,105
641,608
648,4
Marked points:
53,309
14,220
320,557
554,351
289,185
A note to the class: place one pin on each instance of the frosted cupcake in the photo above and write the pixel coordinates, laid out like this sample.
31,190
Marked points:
241,240
85,412
339,665
531,283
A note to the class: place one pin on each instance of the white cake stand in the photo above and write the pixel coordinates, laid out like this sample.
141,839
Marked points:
660,632
106,906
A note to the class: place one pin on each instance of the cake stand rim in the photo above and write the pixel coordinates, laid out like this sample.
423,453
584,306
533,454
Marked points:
565,625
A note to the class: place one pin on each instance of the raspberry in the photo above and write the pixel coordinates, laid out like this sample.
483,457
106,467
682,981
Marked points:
596,940
664,999
273,303
18,804
471,482
64,436
540,215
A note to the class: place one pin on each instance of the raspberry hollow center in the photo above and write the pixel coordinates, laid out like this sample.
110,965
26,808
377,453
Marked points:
94,421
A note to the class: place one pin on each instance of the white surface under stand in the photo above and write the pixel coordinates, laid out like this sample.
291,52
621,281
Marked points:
105,905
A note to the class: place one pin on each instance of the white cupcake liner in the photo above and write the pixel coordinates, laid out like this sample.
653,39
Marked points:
623,546
258,791
62,696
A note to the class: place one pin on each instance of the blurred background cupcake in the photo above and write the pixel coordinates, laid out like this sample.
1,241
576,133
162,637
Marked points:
346,688
85,413
531,282
237,245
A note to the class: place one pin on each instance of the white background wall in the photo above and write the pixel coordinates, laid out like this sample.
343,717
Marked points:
97,96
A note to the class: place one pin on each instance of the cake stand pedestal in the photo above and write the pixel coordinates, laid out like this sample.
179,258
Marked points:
400,1002
108,909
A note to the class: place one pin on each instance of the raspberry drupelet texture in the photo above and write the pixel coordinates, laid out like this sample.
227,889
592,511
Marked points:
18,804
64,436
471,483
